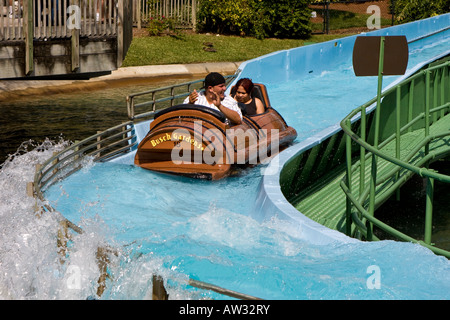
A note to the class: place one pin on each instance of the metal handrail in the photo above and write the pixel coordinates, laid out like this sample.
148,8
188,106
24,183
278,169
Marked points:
64,163
171,98
385,227
368,192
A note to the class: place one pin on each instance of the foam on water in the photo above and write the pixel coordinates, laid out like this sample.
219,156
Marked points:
28,257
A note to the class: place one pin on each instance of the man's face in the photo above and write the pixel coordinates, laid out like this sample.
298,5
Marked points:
220,90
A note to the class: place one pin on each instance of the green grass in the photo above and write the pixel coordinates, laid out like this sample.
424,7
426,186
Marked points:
188,48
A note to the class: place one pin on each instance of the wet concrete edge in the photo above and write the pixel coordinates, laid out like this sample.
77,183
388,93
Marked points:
11,88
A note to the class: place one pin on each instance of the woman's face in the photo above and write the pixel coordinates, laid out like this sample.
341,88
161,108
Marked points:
241,95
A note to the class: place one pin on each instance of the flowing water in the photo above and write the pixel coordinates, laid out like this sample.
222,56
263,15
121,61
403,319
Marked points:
181,228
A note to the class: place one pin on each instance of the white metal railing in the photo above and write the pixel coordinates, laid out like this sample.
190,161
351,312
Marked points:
57,18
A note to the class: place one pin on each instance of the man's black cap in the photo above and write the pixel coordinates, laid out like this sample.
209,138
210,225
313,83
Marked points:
214,79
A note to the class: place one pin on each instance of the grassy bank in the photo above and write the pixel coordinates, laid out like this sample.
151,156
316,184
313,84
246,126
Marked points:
189,48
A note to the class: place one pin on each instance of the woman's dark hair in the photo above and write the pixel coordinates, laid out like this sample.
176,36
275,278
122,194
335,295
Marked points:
246,83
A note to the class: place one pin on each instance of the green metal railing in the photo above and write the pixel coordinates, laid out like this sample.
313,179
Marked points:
418,105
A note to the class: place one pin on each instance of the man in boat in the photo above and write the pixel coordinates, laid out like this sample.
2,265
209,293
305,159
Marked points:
214,97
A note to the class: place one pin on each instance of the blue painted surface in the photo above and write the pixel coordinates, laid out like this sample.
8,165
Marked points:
270,201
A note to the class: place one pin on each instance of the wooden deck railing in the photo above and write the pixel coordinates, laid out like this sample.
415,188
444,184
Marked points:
57,18
44,37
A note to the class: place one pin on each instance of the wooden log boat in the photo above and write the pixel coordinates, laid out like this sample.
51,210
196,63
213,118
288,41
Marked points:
197,141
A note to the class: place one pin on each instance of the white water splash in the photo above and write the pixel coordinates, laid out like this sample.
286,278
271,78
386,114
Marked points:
29,261
30,266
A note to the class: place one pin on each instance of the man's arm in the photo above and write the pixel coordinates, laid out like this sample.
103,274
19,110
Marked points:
230,114
234,115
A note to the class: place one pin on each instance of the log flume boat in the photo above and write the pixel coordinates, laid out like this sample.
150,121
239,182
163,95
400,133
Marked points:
197,141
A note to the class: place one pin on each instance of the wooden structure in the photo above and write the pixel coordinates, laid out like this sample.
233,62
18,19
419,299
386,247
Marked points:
63,37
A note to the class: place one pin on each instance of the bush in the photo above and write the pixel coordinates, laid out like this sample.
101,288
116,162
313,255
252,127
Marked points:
259,18
286,18
226,16
162,26
411,10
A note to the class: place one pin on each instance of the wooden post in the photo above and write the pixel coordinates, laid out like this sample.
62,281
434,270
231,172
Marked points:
102,261
63,236
30,193
230,293
55,162
38,167
194,15
159,292
120,33
30,189
99,145
28,28
75,49
166,9
76,150
102,257
75,40
138,15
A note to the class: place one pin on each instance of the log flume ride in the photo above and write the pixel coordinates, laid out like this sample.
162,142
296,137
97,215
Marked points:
198,142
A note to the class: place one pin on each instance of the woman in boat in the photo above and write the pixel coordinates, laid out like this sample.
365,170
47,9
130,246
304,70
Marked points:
215,98
248,105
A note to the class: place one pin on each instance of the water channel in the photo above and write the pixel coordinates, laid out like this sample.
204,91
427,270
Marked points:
296,269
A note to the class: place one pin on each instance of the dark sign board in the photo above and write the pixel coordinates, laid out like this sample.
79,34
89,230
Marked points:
366,55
